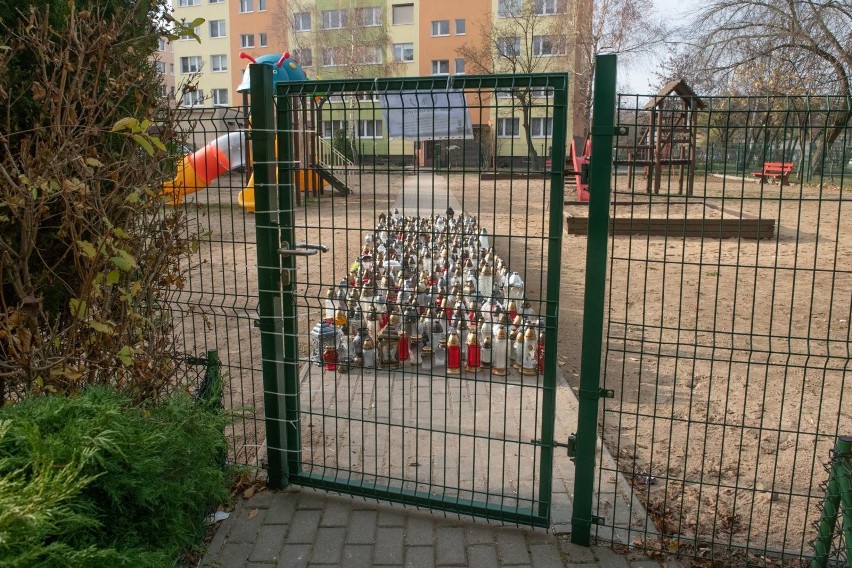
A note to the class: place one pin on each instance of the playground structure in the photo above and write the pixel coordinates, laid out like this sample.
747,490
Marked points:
668,139
197,170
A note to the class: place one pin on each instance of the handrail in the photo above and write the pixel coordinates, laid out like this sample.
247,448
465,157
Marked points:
330,157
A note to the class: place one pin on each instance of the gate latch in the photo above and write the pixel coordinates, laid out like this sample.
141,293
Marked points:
570,446
299,249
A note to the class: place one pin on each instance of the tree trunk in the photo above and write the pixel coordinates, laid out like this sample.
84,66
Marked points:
525,100
824,143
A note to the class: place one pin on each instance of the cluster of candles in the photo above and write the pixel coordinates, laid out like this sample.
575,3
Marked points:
429,293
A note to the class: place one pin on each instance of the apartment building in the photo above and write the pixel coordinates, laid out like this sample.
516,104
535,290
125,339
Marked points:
381,38
164,62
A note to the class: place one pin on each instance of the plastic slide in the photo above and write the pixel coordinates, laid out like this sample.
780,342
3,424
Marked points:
196,171
305,179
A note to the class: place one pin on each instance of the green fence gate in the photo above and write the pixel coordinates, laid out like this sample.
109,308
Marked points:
381,212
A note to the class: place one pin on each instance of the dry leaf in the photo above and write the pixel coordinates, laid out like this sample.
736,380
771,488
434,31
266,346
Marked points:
247,494
253,513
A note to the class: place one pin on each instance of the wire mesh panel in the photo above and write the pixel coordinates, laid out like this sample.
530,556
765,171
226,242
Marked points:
215,304
727,324
419,346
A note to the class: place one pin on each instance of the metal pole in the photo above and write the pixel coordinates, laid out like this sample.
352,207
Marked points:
831,506
268,268
554,262
600,178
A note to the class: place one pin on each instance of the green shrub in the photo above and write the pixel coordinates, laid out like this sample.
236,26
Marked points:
92,480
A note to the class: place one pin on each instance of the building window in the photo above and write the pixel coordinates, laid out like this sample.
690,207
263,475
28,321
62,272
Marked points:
402,14
460,27
372,55
507,8
171,68
330,57
160,67
218,63
247,40
403,52
440,67
161,45
190,64
441,28
215,1
369,17
193,98
369,129
333,19
508,127
263,39
190,36
185,3
509,46
541,127
302,21
220,97
332,127
305,57
549,7
261,5
246,6
546,46
459,66
217,28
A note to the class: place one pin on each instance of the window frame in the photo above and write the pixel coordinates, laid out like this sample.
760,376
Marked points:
342,125
332,51
438,62
516,46
213,97
436,24
516,126
558,7
221,26
376,18
299,55
262,39
249,3
410,6
546,122
261,6
342,19
538,42
188,59
456,66
188,3
403,49
301,16
361,128
220,69
198,98
463,27
244,44
508,8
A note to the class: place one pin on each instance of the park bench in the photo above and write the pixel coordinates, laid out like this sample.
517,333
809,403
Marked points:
775,170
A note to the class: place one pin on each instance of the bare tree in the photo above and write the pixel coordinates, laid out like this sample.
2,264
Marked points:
628,28
806,42
348,41
529,36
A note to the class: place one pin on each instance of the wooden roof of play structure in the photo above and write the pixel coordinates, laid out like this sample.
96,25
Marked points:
681,89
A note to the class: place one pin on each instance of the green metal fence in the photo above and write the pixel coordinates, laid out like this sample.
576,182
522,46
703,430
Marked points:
726,323
214,305
372,349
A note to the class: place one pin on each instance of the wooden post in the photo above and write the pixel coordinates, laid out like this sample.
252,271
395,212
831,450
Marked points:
652,150
680,170
630,171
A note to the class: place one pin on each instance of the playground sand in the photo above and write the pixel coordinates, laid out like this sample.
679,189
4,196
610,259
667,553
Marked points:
687,412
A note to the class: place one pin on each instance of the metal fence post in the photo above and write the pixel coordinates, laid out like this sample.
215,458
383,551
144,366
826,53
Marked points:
600,177
268,268
832,504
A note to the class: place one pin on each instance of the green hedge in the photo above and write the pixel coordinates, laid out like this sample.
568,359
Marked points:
92,480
